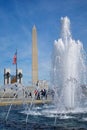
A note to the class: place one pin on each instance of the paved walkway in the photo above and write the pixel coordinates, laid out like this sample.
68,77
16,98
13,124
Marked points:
6,101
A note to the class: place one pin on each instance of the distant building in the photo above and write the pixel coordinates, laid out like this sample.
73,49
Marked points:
8,78
13,79
43,84
19,75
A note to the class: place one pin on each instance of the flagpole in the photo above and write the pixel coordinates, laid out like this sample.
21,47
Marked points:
16,65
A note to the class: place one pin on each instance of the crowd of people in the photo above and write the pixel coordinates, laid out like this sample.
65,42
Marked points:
40,94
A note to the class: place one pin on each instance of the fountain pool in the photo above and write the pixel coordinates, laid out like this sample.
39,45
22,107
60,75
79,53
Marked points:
40,119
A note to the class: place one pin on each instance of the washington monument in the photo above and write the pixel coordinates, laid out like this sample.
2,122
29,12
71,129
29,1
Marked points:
34,56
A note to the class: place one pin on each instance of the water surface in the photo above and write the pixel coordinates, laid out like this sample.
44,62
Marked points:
36,121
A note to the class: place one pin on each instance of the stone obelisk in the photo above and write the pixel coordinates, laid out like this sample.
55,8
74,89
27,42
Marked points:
34,56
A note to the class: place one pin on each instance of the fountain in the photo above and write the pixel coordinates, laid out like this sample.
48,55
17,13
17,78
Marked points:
68,69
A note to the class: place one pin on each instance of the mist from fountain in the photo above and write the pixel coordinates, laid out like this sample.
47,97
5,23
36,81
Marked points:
68,69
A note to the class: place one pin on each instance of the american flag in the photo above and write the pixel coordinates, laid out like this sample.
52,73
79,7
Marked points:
15,58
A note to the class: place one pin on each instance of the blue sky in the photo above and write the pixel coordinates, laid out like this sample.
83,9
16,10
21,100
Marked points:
17,18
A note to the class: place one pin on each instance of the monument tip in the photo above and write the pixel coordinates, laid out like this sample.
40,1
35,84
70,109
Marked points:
34,27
